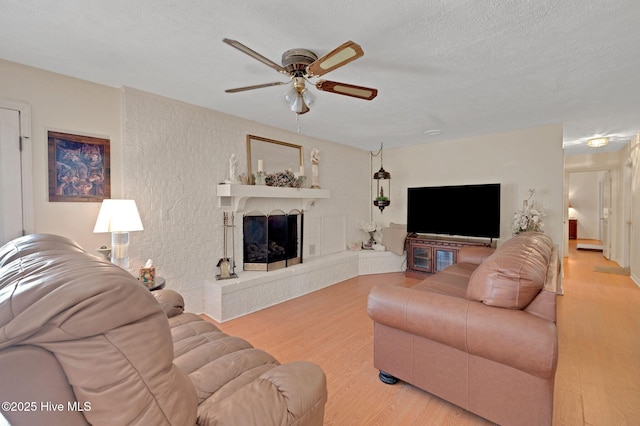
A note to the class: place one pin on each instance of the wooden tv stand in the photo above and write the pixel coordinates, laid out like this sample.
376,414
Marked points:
427,255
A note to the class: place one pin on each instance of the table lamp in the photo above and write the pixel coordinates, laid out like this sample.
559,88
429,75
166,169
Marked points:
119,217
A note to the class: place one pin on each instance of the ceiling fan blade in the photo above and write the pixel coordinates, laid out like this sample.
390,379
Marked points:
255,55
360,92
341,55
257,86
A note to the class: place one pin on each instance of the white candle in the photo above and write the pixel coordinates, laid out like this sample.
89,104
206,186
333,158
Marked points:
260,166
301,170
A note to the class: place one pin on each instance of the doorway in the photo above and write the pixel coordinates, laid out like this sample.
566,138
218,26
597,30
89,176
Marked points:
586,208
16,200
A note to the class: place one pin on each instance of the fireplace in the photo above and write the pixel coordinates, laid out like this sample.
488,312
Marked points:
272,241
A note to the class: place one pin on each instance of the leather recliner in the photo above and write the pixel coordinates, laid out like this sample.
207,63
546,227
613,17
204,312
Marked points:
83,342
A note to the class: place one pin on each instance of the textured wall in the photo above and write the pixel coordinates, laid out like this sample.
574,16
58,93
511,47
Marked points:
518,160
174,155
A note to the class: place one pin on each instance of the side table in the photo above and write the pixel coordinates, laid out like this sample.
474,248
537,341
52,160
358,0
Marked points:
155,285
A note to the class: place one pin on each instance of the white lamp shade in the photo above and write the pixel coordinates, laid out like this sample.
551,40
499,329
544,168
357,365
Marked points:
118,216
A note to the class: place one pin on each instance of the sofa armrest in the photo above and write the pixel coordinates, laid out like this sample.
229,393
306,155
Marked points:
432,315
507,336
171,302
513,337
474,254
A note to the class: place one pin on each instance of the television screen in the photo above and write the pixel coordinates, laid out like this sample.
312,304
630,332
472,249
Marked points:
464,210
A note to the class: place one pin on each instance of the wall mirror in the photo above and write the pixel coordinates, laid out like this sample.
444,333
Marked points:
275,156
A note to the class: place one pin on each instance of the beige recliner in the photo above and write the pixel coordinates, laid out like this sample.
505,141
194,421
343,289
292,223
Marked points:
82,342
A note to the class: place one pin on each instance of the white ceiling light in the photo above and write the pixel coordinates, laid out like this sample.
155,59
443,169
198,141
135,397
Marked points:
597,142
432,132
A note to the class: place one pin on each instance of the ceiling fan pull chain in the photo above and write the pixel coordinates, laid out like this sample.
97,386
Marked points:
298,122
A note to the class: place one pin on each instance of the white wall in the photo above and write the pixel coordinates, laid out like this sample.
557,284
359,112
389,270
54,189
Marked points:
632,160
519,160
584,197
69,105
174,156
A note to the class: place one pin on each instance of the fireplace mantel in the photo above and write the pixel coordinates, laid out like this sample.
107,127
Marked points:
233,197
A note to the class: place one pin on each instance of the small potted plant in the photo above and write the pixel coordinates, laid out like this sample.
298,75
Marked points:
381,200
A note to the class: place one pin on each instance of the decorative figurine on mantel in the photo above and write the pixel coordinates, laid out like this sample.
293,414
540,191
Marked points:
315,161
233,170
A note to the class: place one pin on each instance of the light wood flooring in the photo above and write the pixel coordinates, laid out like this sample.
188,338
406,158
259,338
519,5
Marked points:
598,376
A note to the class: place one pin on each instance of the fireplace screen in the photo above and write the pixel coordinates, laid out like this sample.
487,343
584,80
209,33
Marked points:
272,241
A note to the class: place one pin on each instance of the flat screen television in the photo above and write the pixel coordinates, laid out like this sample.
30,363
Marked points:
464,210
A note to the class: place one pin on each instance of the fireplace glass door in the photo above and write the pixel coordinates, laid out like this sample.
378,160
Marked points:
272,241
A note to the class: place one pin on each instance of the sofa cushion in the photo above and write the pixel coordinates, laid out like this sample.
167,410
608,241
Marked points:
514,274
451,281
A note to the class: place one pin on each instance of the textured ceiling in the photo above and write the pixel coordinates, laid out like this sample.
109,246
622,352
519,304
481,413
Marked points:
463,67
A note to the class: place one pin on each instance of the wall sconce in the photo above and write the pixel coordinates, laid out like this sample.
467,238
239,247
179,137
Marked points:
119,217
383,180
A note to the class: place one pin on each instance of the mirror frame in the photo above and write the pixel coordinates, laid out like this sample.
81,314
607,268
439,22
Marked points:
252,162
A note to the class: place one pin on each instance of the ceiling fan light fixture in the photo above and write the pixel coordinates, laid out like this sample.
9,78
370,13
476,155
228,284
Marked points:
597,142
298,97
290,95
308,97
299,106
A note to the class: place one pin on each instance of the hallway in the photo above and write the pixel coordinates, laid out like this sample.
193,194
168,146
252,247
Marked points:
598,376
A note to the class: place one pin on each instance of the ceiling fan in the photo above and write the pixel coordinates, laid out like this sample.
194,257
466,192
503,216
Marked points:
300,65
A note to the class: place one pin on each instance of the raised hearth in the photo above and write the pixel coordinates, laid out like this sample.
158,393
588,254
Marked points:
228,299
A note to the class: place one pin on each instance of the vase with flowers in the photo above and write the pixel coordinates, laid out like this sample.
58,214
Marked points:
530,217
371,228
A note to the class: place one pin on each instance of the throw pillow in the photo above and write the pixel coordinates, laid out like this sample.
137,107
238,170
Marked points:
393,238
514,274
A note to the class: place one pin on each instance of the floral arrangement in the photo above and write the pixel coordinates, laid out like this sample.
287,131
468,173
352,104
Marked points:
369,227
530,217
284,179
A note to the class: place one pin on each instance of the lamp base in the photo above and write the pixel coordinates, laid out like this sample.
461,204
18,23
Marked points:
120,249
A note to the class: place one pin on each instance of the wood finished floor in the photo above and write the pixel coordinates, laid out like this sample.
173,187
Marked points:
598,376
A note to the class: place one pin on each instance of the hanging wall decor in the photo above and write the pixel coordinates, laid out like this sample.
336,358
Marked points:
382,198
79,168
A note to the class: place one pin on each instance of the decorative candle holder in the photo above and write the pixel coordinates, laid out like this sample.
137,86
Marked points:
261,178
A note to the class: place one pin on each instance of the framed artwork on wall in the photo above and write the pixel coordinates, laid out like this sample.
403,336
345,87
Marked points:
79,168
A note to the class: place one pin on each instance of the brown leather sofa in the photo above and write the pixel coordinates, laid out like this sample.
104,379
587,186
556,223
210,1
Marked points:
82,342
480,334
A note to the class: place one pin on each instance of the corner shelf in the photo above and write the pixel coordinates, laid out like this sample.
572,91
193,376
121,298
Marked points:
233,197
